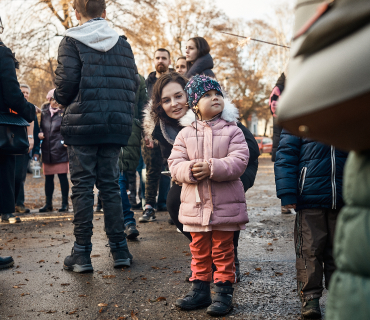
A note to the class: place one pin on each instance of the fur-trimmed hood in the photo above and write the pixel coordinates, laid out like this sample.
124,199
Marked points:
229,114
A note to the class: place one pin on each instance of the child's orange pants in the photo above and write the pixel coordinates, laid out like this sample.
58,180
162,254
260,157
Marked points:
217,247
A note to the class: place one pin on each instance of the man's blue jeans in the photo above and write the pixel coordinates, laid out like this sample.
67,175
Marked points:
126,206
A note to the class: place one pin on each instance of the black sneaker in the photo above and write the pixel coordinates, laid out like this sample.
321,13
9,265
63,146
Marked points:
9,218
148,215
99,209
137,206
131,231
22,209
222,301
79,260
198,297
311,309
121,255
6,262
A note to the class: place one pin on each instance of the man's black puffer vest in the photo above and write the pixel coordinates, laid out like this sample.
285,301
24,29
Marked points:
98,89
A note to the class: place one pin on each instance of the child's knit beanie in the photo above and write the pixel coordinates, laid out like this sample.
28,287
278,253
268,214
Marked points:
198,86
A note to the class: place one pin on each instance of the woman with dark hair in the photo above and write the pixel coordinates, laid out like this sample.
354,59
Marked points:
198,59
161,124
181,65
54,153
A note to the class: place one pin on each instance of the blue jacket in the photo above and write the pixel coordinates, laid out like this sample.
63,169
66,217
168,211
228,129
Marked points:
308,173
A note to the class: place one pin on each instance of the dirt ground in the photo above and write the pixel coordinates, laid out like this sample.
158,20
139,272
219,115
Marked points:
38,287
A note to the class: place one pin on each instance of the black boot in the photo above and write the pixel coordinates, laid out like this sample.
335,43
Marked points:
198,297
48,206
311,309
222,300
237,264
6,262
121,255
79,260
64,207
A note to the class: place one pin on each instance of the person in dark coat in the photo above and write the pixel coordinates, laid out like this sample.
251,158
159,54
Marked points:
54,153
161,123
309,179
11,98
96,80
198,59
152,156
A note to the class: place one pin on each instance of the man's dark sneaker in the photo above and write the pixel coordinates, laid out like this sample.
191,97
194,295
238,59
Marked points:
285,210
99,209
22,209
222,300
46,208
131,231
311,309
137,206
121,255
148,214
9,218
79,260
6,262
198,297
170,221
162,208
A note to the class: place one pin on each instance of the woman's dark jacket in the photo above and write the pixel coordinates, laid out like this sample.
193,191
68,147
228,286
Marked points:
160,133
52,147
308,173
202,65
11,96
98,89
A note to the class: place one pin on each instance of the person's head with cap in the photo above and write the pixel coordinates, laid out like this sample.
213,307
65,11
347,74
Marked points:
205,97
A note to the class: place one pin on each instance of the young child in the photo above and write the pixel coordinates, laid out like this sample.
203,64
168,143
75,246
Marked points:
96,81
208,157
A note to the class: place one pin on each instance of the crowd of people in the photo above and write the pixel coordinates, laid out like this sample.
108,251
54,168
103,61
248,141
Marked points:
103,123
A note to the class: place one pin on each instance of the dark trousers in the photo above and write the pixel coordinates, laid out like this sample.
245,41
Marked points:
7,172
314,237
173,207
154,164
21,164
49,186
98,165
128,215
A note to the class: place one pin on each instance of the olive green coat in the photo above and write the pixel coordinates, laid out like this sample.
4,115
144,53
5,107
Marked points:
130,155
349,290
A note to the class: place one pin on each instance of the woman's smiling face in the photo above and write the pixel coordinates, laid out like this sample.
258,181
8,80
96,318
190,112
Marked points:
173,100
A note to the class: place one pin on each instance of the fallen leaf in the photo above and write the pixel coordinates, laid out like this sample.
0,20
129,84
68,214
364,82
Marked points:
133,315
51,311
41,261
51,284
100,272
121,318
16,287
109,276
57,262
143,278
278,274
161,299
103,305
185,252
95,256
156,268
25,294
73,312
65,284
269,244
162,258
258,269
116,305
246,274
276,239
18,272
188,254
82,295
177,271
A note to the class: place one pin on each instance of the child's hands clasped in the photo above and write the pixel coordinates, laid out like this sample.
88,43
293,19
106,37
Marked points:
201,170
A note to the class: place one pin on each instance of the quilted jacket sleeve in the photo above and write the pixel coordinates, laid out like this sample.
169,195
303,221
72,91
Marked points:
68,72
11,93
287,167
233,166
179,163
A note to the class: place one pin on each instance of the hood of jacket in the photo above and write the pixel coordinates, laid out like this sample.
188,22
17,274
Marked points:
229,114
95,34
201,64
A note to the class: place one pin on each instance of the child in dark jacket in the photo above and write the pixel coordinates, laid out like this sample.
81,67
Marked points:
309,179
96,81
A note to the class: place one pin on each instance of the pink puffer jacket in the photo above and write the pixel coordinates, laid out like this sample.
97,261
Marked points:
219,199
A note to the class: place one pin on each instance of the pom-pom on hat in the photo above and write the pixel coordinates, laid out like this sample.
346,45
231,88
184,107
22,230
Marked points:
50,94
198,86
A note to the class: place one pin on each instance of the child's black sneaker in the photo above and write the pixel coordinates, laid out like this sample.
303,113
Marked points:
6,262
121,255
79,260
148,214
222,300
311,309
131,231
198,297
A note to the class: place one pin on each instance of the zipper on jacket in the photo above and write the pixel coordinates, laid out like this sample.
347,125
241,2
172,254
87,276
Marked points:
302,179
333,172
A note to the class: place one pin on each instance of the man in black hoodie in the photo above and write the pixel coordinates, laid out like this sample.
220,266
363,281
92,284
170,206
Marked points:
96,80
152,156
